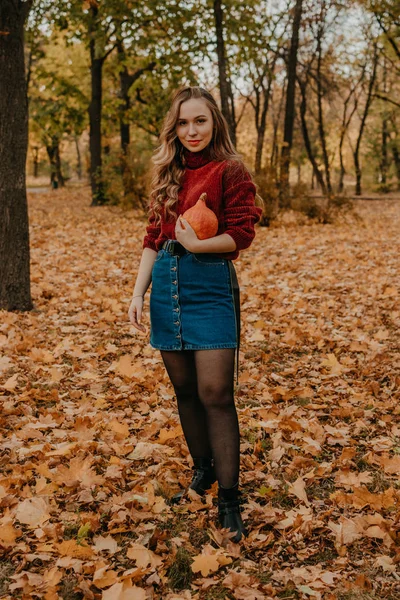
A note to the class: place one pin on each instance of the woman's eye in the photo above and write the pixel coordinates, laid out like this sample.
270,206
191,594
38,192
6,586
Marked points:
201,121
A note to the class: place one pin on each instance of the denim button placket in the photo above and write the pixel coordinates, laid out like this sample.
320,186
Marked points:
175,301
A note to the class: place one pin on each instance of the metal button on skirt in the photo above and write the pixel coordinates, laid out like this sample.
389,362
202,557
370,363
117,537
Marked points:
192,305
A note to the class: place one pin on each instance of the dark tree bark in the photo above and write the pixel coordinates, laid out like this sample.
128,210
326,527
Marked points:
225,88
356,153
384,164
60,177
95,109
384,152
78,158
307,141
290,105
346,120
395,151
35,152
261,105
396,158
15,293
276,119
53,152
320,93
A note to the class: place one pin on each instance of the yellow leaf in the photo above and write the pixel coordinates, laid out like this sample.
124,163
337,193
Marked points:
103,578
8,533
71,548
11,383
206,564
125,367
333,364
121,429
143,556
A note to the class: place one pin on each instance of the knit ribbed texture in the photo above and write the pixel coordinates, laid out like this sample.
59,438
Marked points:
230,194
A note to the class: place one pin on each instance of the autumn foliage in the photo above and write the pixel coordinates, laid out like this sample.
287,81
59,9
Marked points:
91,443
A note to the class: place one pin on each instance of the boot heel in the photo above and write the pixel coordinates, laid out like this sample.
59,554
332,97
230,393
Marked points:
229,517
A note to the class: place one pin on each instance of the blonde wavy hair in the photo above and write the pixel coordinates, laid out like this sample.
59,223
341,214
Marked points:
169,159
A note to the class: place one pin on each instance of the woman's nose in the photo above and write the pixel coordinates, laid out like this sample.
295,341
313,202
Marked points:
192,129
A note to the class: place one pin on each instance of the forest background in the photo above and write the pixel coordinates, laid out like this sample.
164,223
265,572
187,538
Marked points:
91,444
100,78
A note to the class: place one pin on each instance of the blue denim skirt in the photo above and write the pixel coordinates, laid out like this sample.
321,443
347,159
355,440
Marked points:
192,302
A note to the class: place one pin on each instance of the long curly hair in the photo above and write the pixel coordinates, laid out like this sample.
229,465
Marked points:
169,159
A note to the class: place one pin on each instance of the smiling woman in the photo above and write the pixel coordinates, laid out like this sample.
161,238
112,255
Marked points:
194,301
195,125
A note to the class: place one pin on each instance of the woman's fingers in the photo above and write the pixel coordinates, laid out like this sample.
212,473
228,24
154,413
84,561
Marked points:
135,317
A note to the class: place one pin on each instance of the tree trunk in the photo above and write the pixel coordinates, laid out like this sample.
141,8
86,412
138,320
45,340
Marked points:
384,153
124,85
51,153
95,129
321,127
35,151
307,141
396,158
225,88
276,119
95,108
261,121
15,293
78,158
384,165
356,153
290,106
60,178
342,167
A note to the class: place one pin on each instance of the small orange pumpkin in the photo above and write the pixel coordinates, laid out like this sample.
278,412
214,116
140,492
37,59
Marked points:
202,219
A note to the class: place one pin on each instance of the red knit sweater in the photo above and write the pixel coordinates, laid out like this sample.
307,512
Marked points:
230,194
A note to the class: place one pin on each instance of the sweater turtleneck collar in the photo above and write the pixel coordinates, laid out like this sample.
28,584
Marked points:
194,160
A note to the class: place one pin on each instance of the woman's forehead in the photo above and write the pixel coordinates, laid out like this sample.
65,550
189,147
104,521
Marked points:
193,108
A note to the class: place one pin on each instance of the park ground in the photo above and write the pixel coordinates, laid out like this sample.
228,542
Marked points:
92,447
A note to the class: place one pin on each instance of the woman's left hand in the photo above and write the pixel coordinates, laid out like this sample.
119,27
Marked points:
186,235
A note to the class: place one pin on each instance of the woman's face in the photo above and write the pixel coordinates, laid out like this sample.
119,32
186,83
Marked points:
194,127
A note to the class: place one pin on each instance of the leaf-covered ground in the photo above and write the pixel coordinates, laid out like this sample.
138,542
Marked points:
92,448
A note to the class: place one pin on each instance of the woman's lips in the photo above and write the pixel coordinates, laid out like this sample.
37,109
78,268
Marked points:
194,142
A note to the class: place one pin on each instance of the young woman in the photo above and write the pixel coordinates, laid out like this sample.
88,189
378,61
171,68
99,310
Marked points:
194,301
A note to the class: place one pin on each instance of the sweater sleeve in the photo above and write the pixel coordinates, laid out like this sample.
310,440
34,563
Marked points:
152,233
240,212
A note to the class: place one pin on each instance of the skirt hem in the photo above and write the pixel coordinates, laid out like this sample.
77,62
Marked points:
191,347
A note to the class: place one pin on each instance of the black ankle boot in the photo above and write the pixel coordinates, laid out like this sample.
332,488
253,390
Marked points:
203,477
229,501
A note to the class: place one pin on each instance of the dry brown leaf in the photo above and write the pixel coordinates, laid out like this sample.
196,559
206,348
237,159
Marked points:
143,556
124,591
103,578
74,550
298,488
32,512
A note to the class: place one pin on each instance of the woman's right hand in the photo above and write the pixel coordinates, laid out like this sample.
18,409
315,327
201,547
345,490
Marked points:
135,313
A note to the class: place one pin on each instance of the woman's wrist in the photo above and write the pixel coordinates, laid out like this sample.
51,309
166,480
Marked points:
138,296
195,246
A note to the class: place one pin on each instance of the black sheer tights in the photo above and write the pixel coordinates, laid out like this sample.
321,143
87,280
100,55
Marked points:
203,384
